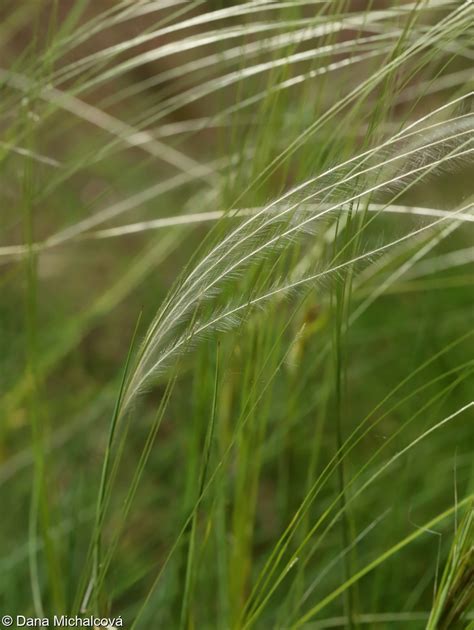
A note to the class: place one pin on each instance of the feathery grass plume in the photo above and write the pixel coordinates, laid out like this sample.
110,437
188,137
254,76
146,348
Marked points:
269,230
455,593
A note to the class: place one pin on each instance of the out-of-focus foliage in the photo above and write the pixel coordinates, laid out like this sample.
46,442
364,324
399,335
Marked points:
236,312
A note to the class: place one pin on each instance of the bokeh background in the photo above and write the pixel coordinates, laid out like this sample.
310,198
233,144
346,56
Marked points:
117,115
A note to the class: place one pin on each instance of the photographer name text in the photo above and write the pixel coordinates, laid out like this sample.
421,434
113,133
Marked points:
62,621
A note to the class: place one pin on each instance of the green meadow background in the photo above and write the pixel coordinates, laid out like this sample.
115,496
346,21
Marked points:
236,313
